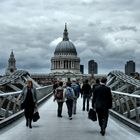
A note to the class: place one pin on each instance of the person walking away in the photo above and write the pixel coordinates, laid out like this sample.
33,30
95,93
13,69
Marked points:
86,91
55,85
95,85
59,97
102,102
75,87
29,98
79,87
69,95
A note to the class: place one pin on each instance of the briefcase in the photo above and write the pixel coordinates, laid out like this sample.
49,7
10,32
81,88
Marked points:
92,114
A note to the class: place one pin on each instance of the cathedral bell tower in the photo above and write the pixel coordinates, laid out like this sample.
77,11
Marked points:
11,64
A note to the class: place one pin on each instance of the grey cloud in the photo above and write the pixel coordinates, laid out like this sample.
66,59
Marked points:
101,30
133,28
113,5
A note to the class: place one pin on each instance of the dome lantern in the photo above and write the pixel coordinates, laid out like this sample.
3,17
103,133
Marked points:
65,47
65,34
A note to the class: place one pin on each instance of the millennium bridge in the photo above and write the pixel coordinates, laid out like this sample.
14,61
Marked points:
124,119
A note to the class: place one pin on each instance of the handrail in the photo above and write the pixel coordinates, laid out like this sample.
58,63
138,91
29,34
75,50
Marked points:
10,103
127,94
18,92
127,104
45,92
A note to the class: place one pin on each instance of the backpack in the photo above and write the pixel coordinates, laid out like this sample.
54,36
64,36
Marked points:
69,93
76,89
59,94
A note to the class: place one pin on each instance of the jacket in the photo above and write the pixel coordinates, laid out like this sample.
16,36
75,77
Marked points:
63,98
86,89
24,93
102,97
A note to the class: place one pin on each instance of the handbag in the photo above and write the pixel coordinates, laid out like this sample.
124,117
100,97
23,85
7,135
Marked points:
36,116
92,114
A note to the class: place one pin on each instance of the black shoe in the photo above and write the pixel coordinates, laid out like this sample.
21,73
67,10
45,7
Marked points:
102,132
83,109
60,116
27,123
30,126
70,118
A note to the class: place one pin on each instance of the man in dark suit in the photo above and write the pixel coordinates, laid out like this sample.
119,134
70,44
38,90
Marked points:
102,102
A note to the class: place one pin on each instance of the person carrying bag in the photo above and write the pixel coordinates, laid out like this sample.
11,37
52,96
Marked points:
36,115
92,114
28,99
102,102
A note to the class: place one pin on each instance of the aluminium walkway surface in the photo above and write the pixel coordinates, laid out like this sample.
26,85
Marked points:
50,127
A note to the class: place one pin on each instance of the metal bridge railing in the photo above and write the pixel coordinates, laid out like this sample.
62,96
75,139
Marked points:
125,78
9,104
127,104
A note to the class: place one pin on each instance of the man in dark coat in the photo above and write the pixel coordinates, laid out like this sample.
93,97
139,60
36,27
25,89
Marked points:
102,102
95,85
86,91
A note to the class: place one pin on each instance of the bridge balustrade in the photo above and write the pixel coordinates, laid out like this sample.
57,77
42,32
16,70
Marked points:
9,104
127,104
125,78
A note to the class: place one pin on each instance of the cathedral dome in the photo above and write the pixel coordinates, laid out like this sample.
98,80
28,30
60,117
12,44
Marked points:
65,47
65,58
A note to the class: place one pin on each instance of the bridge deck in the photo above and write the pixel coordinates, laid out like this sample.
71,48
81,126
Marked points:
50,127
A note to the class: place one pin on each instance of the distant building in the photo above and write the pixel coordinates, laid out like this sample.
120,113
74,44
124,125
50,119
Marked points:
82,69
65,64
92,67
65,58
11,64
130,67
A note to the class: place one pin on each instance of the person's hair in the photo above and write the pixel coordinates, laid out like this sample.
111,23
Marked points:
103,80
61,83
97,81
30,82
86,81
69,84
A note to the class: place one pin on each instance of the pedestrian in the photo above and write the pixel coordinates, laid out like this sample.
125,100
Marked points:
79,86
102,102
55,85
59,97
76,89
69,96
95,85
86,91
29,99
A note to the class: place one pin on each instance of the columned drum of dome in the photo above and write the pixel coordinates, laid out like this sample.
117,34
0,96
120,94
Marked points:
65,56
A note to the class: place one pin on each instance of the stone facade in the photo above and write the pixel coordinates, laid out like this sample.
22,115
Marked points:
65,58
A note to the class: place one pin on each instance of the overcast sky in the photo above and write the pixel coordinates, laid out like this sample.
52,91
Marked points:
107,31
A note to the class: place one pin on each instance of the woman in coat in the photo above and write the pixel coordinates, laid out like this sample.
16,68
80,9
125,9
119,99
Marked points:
29,98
